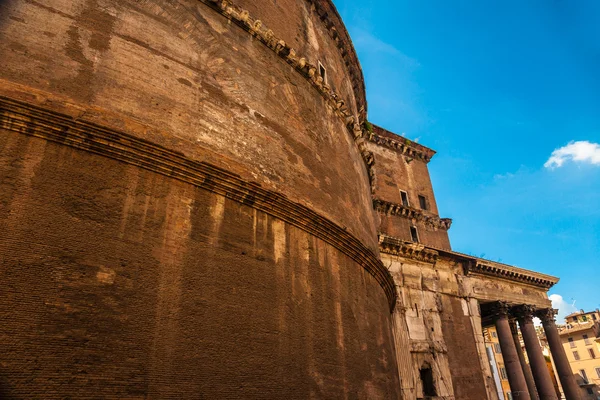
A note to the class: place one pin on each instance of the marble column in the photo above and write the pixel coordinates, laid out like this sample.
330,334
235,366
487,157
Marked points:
539,369
514,371
526,369
561,362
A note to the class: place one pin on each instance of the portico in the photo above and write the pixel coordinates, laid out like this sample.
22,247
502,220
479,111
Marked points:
533,380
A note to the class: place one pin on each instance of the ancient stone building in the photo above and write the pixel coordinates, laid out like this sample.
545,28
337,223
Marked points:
193,206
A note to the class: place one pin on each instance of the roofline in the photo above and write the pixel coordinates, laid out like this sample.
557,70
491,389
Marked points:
473,265
395,142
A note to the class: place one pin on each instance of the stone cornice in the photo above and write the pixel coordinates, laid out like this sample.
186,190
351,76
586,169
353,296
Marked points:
490,268
385,138
472,265
255,27
415,251
35,121
389,208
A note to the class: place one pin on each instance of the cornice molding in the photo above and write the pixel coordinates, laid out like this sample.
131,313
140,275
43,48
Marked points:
23,118
389,208
471,265
490,268
414,251
309,71
382,137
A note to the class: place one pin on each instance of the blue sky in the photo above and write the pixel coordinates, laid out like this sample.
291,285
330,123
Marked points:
508,94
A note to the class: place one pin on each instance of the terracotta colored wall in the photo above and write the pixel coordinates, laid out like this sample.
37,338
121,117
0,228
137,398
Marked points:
121,283
395,173
203,86
181,213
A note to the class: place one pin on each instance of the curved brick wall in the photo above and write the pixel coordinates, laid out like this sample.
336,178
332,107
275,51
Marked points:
184,210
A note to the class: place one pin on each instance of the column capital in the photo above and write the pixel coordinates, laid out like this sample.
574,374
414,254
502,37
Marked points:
546,314
524,312
500,309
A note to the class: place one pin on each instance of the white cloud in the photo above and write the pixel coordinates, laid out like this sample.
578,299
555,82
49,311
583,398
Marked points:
564,308
581,151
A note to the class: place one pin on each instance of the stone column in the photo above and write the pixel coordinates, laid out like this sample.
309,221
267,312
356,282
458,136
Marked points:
541,375
563,368
526,369
514,372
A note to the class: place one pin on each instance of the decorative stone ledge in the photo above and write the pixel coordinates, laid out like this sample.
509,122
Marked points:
385,138
424,346
490,268
388,208
23,118
308,70
415,251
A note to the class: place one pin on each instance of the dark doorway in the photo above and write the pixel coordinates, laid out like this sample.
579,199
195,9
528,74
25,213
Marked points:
427,380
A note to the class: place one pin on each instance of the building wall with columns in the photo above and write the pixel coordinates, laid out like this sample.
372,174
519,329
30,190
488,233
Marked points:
194,204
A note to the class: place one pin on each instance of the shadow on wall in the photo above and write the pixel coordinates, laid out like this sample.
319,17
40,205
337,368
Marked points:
426,375
4,386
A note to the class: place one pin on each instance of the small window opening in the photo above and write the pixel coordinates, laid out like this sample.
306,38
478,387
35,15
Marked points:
423,202
583,376
414,234
323,72
404,197
426,375
592,354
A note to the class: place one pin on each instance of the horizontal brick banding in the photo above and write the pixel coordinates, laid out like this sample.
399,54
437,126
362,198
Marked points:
34,121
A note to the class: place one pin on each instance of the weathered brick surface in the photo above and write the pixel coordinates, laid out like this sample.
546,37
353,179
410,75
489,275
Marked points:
126,278
201,85
463,358
121,283
398,172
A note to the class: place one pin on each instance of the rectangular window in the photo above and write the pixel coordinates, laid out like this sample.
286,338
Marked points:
586,339
574,319
576,355
598,371
404,197
494,334
323,72
584,318
423,202
594,317
592,354
497,348
571,342
583,375
414,234
503,373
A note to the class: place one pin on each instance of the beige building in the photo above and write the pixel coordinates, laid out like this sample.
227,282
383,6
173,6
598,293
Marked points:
494,352
581,339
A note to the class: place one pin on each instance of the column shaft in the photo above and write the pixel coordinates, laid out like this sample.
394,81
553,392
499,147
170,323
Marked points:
526,369
516,379
541,375
561,362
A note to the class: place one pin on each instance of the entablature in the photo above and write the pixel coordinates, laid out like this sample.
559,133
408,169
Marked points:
398,247
389,208
407,147
499,270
